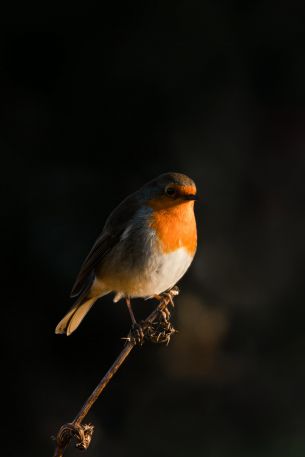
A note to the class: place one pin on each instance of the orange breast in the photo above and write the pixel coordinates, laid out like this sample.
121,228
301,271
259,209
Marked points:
175,225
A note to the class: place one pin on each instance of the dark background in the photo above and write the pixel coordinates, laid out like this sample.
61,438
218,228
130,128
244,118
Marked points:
94,102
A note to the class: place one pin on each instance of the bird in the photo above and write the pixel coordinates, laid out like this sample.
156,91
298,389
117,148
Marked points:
147,244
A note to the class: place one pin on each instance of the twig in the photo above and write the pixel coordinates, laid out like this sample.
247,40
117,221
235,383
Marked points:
151,329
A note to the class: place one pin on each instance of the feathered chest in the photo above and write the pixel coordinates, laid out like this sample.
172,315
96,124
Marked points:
175,227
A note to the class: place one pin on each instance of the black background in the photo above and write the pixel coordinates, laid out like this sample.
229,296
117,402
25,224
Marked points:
96,100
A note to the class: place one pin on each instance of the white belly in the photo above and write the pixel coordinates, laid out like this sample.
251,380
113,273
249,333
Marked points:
162,274
171,268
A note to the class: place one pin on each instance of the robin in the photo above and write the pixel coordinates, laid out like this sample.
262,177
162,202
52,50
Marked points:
147,244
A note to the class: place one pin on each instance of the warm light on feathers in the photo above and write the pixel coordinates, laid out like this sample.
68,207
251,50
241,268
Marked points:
174,221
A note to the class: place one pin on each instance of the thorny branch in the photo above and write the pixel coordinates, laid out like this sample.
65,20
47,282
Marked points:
155,328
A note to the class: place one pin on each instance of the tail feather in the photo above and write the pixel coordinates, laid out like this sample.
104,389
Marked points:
73,318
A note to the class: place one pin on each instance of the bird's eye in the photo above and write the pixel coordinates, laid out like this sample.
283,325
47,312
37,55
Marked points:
170,191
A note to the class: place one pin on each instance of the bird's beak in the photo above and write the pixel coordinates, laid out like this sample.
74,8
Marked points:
190,197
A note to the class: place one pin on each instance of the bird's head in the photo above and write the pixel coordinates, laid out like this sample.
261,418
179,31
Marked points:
169,190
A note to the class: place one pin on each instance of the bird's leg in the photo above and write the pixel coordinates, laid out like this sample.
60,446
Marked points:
137,331
128,303
164,311
161,330
168,296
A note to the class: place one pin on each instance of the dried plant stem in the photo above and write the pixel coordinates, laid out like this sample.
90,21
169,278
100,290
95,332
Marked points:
156,331
103,383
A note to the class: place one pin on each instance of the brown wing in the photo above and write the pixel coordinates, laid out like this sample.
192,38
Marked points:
115,225
100,249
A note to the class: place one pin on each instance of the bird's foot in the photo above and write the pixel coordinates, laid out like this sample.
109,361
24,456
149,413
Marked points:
167,298
136,335
159,330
